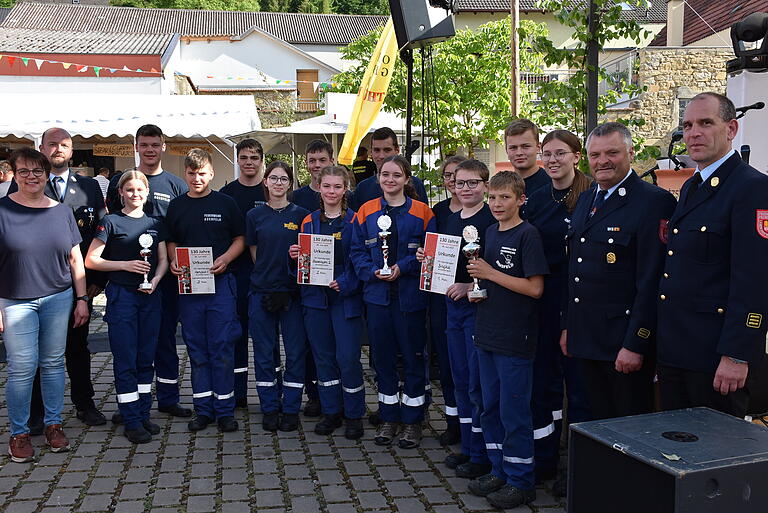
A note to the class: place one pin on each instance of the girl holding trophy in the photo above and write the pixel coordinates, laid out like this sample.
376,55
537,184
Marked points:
387,232
129,246
333,314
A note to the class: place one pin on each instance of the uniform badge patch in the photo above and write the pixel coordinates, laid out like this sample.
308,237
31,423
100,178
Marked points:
610,258
291,226
762,223
754,320
664,230
643,333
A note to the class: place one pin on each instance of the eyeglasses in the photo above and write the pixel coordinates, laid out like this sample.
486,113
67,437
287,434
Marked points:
37,172
558,155
471,184
449,176
279,179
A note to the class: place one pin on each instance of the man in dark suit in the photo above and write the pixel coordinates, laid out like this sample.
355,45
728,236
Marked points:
83,194
616,253
713,296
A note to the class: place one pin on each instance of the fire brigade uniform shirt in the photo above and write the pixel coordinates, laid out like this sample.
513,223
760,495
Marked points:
442,211
272,232
455,225
163,188
507,322
120,233
35,244
211,221
246,197
537,180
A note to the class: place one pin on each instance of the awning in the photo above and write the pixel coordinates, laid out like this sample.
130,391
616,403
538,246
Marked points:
187,116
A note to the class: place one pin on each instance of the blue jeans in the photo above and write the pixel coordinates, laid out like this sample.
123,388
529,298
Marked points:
35,335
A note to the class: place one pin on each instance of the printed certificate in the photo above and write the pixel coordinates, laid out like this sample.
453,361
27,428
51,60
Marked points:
441,257
196,264
315,262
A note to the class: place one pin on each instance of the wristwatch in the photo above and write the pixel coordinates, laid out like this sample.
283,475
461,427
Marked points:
736,360
83,298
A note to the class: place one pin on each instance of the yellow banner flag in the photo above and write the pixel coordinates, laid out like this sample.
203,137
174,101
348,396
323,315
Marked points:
370,97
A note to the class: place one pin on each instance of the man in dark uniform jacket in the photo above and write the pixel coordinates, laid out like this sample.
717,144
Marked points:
615,257
713,296
83,194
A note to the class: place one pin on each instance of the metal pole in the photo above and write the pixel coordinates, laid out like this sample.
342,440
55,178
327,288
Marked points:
592,68
407,58
514,45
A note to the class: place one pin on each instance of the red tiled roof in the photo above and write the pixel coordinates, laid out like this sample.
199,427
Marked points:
719,14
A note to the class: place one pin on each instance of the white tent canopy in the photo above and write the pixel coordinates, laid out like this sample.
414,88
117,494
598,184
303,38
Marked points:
332,126
187,116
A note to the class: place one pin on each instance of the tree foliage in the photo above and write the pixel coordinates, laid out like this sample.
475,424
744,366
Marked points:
464,89
564,103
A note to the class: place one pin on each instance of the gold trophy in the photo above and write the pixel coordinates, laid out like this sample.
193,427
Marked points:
472,251
145,241
384,222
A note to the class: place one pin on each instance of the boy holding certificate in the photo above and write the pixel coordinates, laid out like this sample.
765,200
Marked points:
203,218
470,185
506,332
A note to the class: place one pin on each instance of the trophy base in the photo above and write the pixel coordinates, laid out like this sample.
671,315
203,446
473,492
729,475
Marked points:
145,286
385,272
478,294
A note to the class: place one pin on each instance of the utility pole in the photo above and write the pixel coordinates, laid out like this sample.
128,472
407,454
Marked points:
592,67
514,45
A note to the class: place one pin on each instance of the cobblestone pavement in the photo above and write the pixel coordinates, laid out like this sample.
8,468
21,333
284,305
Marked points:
250,470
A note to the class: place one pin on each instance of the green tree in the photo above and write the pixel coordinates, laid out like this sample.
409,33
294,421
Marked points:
564,103
466,88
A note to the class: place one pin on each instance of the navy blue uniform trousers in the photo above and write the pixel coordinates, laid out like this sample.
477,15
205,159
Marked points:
166,357
392,331
553,375
264,328
438,325
335,344
210,327
133,323
506,418
466,376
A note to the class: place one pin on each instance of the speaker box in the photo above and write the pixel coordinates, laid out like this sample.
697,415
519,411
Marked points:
685,461
419,23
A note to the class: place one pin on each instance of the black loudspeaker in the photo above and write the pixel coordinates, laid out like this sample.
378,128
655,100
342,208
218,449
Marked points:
684,461
419,23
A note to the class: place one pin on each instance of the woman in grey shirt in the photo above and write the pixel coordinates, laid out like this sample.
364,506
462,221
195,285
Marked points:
41,263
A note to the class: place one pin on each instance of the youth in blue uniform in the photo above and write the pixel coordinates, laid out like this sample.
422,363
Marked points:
333,314
209,324
248,192
438,312
133,313
521,138
616,253
319,155
163,188
506,333
549,209
396,307
383,145
472,461
712,301
274,302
